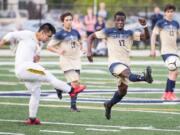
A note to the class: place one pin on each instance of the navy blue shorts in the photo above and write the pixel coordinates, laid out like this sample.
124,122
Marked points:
113,65
165,56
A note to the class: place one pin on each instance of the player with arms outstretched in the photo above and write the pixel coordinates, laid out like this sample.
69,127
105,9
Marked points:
119,42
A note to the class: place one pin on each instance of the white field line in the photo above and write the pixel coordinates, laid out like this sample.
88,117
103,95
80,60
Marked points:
149,128
147,110
67,100
8,133
53,131
102,130
87,78
90,83
58,71
90,92
92,71
149,62
94,83
112,90
133,128
7,75
122,103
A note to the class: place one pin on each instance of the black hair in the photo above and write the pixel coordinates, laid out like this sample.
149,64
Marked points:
65,15
119,13
47,27
169,7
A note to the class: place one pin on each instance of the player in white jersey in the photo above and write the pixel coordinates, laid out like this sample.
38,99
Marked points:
119,42
66,43
169,30
29,71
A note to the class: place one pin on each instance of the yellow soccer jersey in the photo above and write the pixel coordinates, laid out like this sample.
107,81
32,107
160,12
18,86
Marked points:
168,32
119,43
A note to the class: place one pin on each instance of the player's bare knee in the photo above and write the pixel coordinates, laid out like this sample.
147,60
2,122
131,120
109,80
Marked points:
174,73
76,82
122,89
125,73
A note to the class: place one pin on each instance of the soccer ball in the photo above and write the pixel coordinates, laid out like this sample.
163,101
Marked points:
172,62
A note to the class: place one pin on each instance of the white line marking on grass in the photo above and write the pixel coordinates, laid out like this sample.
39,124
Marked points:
136,90
52,131
101,102
149,128
8,133
7,75
102,130
8,83
144,110
138,62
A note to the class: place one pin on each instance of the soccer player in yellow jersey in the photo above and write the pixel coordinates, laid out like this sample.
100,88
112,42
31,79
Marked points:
66,43
168,29
119,42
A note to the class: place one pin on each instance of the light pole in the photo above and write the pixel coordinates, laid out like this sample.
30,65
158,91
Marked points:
95,7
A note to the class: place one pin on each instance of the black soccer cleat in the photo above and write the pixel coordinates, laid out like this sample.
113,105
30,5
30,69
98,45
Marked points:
148,75
59,93
107,110
74,109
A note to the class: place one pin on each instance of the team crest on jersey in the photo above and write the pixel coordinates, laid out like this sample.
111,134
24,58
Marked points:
64,34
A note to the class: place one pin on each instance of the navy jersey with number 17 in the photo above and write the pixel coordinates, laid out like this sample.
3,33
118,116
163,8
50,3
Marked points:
119,43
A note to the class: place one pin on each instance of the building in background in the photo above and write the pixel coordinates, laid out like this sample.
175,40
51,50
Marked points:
15,4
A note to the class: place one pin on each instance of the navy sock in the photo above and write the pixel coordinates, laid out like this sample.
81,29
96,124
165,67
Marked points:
73,99
170,85
73,102
116,98
136,78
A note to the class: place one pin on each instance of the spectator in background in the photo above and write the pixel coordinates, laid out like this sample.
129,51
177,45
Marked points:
90,21
78,25
100,24
156,16
102,10
32,10
100,44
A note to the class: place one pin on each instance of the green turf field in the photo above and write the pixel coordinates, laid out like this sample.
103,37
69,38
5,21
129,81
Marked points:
145,117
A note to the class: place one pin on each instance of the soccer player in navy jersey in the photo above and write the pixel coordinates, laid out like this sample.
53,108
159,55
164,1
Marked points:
119,43
169,30
66,43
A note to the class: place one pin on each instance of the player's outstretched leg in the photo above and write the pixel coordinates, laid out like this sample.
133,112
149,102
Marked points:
76,89
107,107
59,93
148,75
117,97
